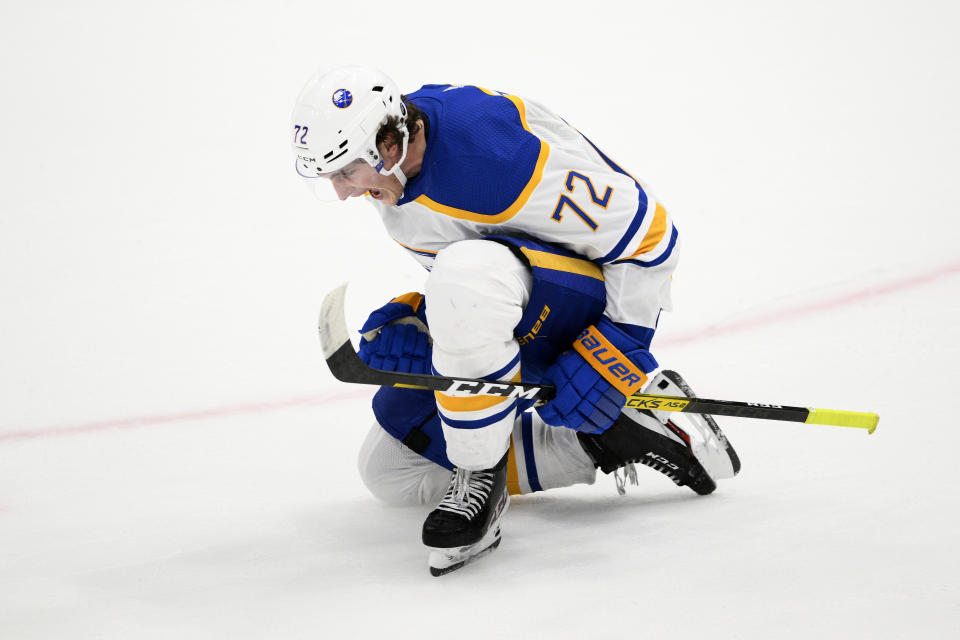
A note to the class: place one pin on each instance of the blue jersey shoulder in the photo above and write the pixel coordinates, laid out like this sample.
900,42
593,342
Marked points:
480,155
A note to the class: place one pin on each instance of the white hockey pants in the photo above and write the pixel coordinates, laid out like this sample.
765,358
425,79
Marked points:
541,458
476,294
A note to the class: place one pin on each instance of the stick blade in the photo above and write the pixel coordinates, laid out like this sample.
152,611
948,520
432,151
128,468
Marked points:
342,358
333,330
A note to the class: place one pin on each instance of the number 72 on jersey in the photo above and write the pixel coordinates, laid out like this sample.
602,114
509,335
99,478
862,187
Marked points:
566,201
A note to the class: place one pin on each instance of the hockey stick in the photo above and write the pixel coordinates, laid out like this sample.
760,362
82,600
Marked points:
347,366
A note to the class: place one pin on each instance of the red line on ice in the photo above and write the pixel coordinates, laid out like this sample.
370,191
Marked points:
781,315
791,313
216,412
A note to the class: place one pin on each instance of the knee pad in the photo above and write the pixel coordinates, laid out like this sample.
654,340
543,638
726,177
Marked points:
476,294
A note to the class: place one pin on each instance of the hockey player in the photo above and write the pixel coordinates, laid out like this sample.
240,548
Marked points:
548,263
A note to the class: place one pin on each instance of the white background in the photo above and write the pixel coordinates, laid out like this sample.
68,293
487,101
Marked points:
175,460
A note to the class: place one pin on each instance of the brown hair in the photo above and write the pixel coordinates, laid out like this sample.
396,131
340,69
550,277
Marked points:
389,132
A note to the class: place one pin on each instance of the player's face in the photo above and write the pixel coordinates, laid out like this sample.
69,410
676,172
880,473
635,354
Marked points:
358,178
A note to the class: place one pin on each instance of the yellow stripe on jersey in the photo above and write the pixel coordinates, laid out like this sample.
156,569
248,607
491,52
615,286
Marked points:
658,228
467,403
562,263
517,102
513,478
414,249
504,215
521,200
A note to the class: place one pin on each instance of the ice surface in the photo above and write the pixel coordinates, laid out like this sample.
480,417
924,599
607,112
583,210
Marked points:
175,461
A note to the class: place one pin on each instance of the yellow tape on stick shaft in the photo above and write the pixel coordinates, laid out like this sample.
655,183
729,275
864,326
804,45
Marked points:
836,418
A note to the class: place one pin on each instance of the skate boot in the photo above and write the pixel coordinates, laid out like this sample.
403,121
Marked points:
690,449
466,523
708,442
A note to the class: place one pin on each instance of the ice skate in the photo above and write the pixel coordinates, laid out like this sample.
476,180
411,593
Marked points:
700,431
689,449
443,561
466,523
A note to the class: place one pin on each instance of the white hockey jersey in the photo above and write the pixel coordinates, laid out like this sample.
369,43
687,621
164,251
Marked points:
498,165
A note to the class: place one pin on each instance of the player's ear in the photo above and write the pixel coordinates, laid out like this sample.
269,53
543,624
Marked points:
388,147
390,150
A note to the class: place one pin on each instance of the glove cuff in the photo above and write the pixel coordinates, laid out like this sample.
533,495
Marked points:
410,308
604,351
413,299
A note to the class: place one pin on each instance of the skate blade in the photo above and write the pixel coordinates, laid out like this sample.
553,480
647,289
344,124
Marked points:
443,561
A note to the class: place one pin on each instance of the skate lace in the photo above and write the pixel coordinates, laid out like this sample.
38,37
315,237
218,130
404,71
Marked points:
629,473
467,493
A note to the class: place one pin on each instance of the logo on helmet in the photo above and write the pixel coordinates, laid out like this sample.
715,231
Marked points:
342,98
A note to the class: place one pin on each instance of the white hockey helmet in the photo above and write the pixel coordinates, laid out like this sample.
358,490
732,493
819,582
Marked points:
336,119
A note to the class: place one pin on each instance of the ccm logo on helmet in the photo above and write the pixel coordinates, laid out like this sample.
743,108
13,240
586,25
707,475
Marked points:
342,98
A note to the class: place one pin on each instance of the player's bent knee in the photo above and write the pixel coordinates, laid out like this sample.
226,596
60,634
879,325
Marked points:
476,287
395,474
